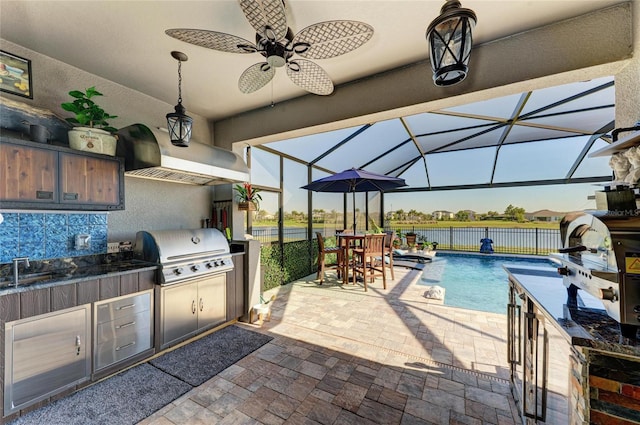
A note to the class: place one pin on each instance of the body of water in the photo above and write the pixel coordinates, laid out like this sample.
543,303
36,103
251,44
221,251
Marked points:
475,282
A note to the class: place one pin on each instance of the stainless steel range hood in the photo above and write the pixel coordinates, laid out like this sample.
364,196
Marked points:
148,153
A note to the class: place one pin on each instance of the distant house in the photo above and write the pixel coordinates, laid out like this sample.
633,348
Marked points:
544,215
471,214
442,215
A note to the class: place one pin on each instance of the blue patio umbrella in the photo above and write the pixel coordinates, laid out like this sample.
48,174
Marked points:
355,180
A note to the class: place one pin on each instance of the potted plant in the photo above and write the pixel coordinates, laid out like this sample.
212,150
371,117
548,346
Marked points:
411,238
92,131
248,197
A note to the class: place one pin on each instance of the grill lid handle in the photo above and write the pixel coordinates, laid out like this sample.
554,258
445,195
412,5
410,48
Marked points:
570,249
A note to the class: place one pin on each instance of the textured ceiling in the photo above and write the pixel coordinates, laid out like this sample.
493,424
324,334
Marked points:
125,41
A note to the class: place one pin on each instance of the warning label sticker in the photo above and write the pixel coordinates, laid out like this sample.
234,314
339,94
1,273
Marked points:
632,263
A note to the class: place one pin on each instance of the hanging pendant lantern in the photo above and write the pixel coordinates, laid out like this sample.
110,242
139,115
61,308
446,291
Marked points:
178,123
450,40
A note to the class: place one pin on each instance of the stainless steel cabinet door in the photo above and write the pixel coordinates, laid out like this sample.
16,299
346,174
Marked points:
46,354
179,312
212,301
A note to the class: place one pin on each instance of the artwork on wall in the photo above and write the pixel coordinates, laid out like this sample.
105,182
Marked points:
15,75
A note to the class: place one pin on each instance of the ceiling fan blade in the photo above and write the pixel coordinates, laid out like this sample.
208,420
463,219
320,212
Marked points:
213,40
332,38
255,77
267,17
309,76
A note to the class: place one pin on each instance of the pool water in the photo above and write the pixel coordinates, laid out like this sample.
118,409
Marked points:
476,282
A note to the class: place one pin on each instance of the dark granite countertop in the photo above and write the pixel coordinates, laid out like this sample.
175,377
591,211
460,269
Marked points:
582,321
48,277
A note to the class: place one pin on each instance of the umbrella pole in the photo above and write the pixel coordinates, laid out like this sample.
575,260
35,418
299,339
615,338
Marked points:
354,212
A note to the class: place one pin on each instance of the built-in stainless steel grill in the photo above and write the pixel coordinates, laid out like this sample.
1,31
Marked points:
184,254
601,255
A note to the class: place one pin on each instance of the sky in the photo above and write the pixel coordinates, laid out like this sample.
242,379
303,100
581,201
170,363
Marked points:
558,198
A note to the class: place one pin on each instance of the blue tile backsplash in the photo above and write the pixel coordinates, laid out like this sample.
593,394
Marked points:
41,236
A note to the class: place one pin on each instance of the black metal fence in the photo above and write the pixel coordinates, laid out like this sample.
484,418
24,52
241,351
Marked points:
505,240
533,241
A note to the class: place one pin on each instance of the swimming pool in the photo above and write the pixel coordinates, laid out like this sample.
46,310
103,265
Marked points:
476,282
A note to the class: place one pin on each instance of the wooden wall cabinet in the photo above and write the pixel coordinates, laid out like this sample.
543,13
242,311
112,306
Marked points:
28,174
37,176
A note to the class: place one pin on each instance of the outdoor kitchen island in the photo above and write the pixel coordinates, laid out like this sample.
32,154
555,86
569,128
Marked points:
568,344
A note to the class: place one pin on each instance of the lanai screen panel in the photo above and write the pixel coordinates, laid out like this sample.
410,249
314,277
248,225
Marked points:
308,148
546,160
571,97
598,166
365,146
460,168
265,168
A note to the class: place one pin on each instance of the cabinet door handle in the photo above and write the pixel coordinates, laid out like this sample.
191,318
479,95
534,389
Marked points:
193,307
538,411
125,325
70,196
519,325
78,345
201,304
124,307
43,194
545,367
514,331
122,347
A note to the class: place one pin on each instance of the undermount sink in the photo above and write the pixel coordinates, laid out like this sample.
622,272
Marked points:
30,279
33,278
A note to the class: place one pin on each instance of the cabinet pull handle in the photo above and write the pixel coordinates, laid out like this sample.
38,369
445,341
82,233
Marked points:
122,347
126,325
510,333
193,307
124,307
70,196
519,315
78,345
545,371
201,304
43,194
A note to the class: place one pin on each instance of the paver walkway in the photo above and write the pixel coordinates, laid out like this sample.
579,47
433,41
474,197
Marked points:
343,356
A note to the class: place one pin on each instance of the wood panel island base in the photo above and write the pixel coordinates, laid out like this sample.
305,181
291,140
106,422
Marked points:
569,362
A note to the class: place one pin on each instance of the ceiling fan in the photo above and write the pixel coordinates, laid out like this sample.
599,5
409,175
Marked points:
277,43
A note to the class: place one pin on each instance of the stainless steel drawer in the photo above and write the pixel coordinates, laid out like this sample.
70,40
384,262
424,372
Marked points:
122,338
125,306
123,328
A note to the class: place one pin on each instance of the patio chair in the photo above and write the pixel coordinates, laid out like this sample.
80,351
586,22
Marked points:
369,260
388,249
323,250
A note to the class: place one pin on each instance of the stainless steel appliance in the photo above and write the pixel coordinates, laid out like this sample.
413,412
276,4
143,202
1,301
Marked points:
148,153
191,296
184,254
46,354
601,255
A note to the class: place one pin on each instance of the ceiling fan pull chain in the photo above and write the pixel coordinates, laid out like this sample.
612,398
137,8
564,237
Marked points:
272,104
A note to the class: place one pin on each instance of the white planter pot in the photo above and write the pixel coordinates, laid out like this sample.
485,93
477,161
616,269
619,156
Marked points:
92,140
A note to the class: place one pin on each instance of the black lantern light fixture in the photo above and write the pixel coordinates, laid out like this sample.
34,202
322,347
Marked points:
450,40
178,122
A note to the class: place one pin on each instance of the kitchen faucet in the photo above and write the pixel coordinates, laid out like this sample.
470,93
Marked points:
16,261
